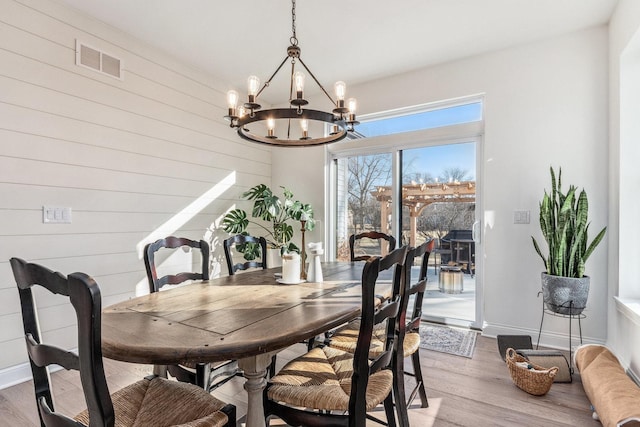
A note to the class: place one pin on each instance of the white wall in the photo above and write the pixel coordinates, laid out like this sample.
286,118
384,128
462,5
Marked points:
624,208
546,104
136,159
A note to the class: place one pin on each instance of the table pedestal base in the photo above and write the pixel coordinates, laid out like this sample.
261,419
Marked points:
255,371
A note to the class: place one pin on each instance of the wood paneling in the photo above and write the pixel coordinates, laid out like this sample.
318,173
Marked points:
135,159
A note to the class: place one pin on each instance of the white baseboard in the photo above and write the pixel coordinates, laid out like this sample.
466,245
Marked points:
19,374
14,375
554,340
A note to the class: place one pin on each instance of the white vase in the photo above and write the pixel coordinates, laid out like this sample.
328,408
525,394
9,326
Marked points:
273,258
291,268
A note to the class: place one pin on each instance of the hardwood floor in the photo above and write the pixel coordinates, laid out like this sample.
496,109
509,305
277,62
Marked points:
461,391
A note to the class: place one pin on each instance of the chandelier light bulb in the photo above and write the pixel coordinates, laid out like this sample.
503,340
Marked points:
241,111
298,80
352,104
253,84
351,116
232,99
271,126
341,89
304,125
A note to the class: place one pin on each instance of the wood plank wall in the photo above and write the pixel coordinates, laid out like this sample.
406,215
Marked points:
135,159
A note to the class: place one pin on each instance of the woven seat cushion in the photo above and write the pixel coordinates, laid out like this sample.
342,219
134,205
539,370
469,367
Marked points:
346,338
321,379
162,403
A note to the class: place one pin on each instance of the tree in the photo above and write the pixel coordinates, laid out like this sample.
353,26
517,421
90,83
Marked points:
437,219
365,173
418,178
454,174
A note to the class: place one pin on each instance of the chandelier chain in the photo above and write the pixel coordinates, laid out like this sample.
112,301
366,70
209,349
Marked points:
294,39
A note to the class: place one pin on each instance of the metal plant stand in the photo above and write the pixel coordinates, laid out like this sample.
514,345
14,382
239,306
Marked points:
571,316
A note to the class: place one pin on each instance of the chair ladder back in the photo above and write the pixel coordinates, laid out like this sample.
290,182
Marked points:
373,235
371,315
84,295
419,287
243,239
416,314
172,242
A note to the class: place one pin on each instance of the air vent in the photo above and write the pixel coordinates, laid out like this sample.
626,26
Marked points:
90,57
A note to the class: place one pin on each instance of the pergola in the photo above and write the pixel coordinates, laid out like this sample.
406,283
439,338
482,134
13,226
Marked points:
418,196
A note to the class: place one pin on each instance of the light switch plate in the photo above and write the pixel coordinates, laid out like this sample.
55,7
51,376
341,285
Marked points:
521,217
56,215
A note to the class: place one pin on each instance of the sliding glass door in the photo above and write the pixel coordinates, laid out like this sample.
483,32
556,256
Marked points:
439,203
414,175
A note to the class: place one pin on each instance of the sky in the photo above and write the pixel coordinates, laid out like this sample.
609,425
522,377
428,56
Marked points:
436,159
433,160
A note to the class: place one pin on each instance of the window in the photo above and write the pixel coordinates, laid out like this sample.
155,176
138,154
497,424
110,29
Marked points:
429,119
414,178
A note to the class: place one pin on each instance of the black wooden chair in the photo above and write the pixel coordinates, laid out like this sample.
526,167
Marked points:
409,330
346,337
338,388
171,242
206,375
372,235
152,401
240,240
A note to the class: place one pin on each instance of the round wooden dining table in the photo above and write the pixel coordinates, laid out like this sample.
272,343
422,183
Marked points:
246,317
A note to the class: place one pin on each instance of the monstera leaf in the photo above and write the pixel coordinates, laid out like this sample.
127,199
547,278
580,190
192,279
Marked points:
235,222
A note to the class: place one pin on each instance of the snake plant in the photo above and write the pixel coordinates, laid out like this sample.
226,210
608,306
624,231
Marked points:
563,221
271,209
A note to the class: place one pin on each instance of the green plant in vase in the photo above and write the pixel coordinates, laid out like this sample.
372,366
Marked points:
272,214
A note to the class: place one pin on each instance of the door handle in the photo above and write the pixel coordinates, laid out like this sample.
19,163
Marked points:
475,231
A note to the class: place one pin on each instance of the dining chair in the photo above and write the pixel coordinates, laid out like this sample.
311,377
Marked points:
240,240
409,327
346,337
371,235
152,401
172,242
206,375
337,387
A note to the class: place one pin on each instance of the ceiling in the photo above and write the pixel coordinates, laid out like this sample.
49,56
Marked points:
350,40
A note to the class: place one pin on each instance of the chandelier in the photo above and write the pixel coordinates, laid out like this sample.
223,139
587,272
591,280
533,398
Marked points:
289,127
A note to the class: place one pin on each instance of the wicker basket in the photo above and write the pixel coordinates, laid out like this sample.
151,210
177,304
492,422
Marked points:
536,381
